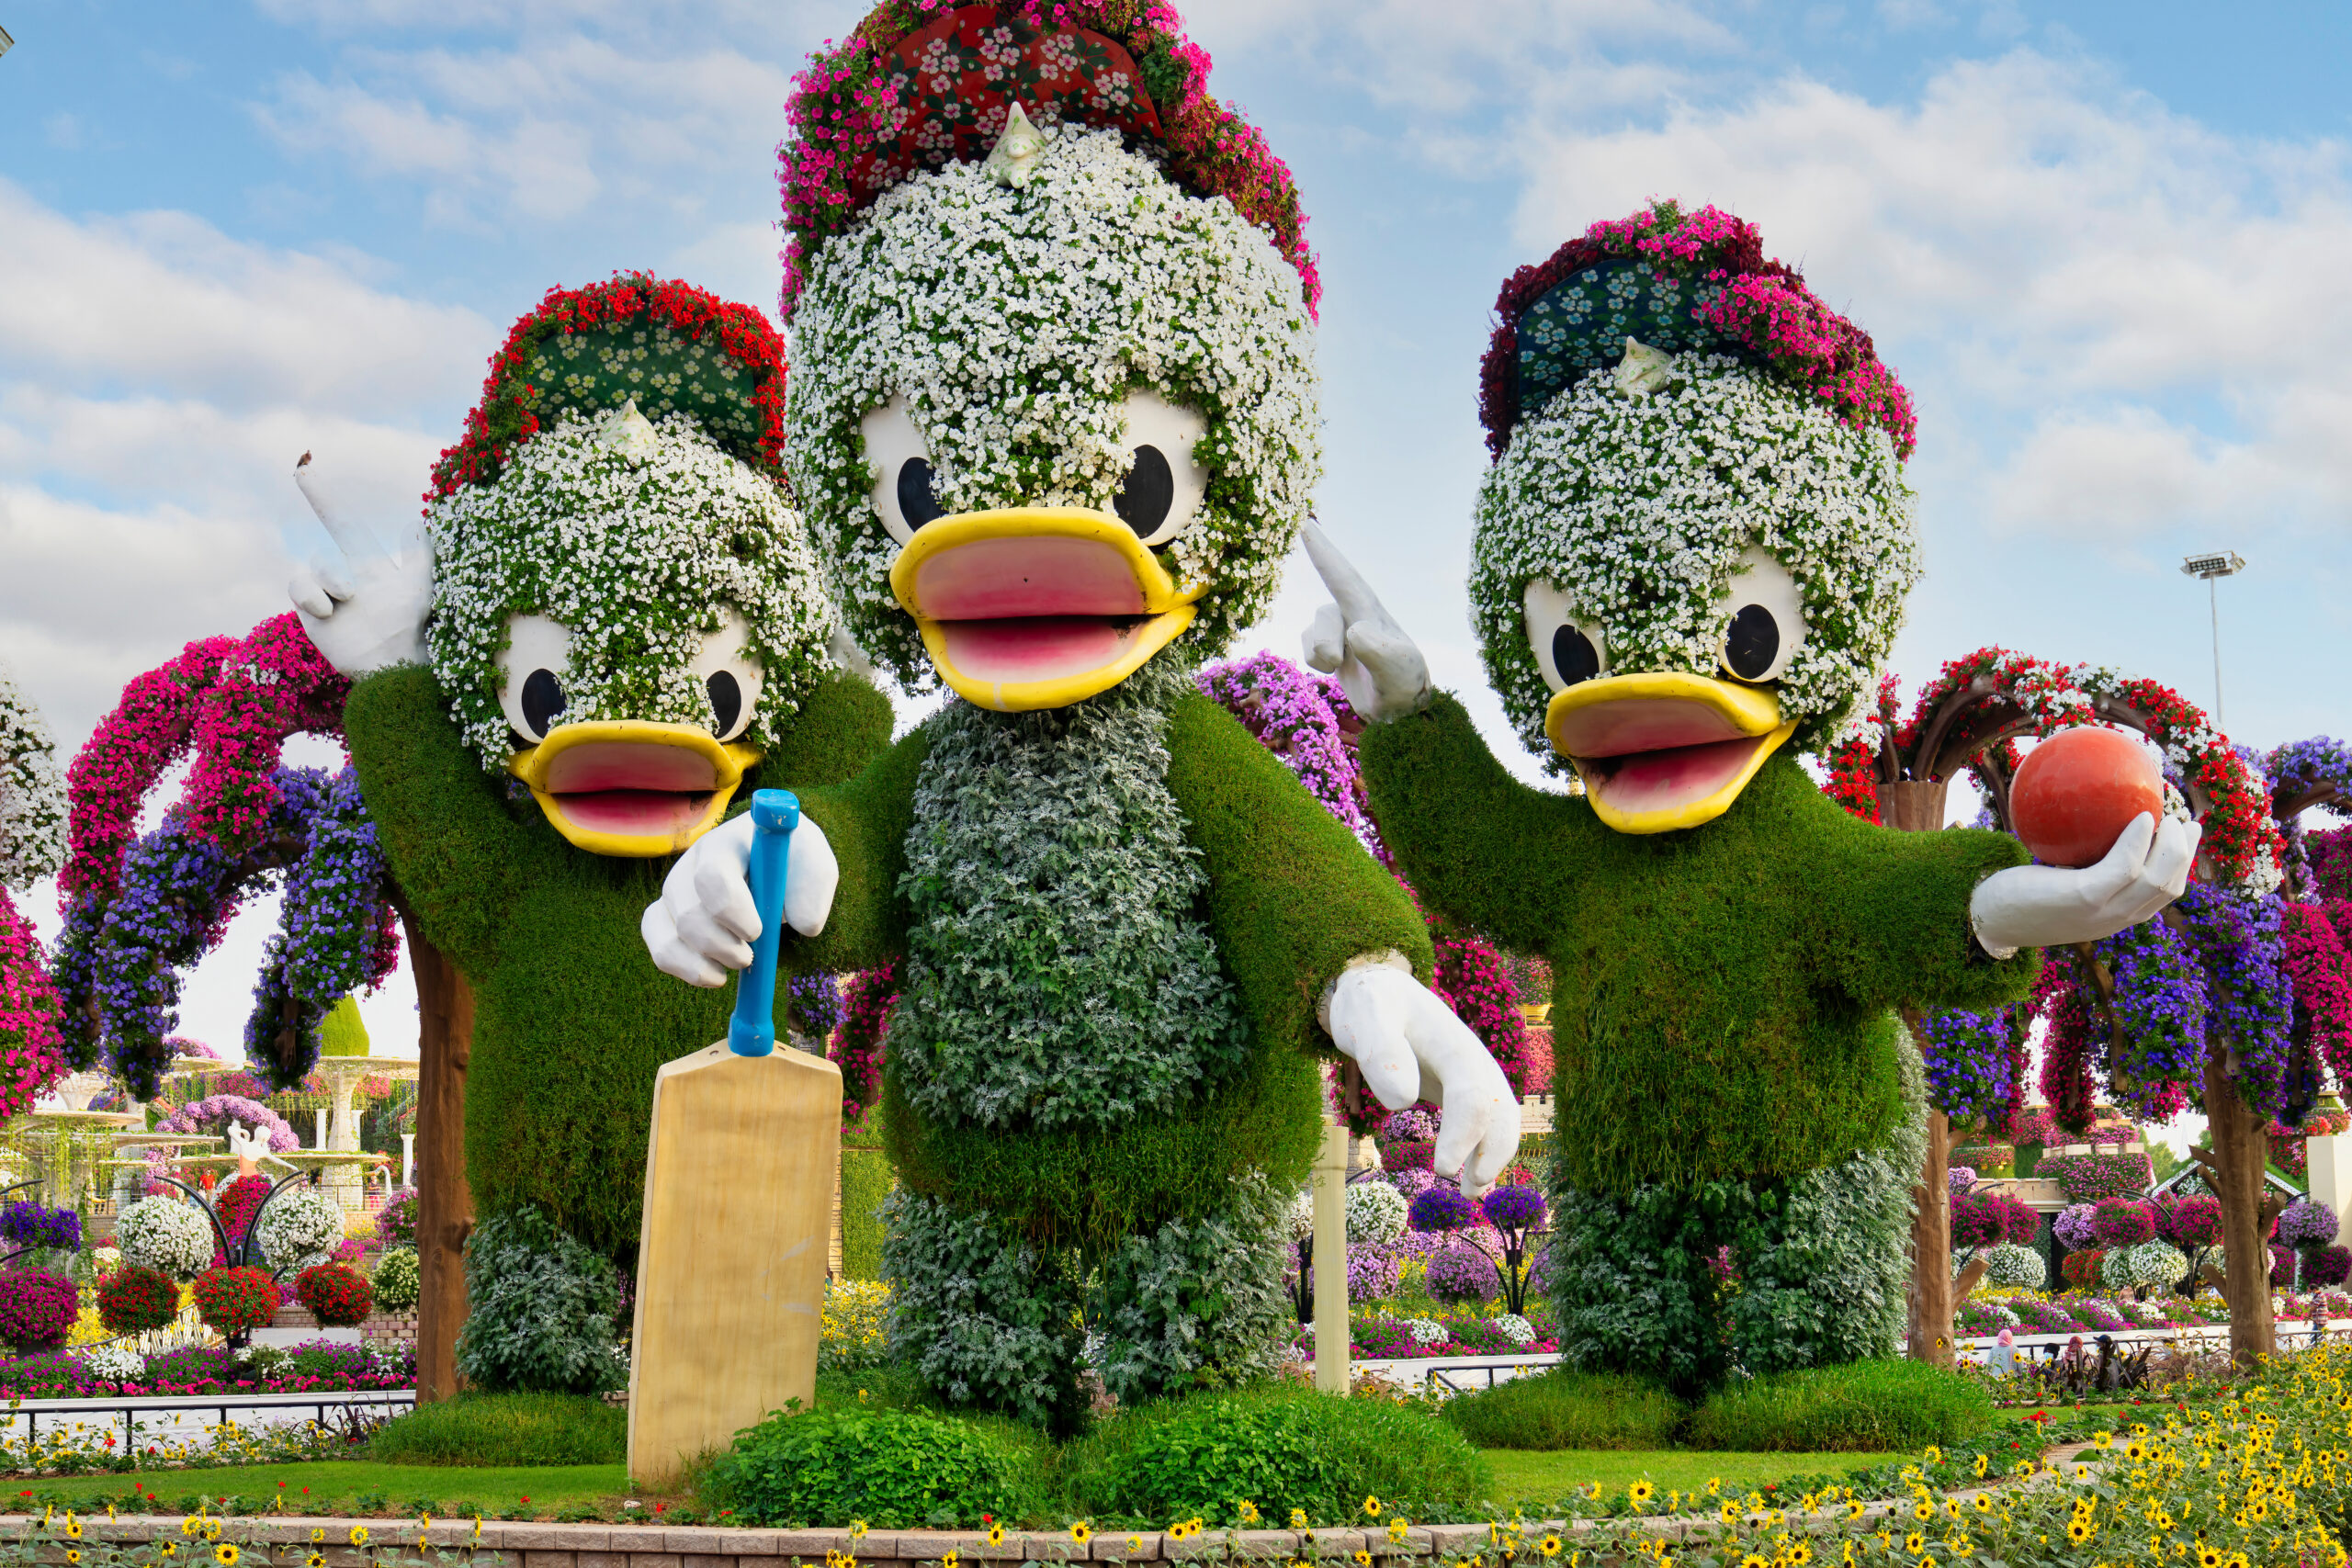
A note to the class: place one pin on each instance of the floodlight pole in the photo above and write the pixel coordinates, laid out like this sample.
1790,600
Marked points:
2213,603
2213,566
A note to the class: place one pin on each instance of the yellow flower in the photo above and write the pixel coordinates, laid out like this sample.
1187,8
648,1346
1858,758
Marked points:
225,1554
857,1529
1135,1546
1853,1510
72,1554
2082,1472
316,1560
1551,1546
1935,1454
360,1535
996,1535
1082,1533
1800,1554
317,1535
1923,1509
424,1521
73,1526
1984,1503
2103,1439
1752,1561
1982,1460
188,1526
1362,1558
1640,1492
1298,1519
2077,1531
1397,1529
1915,1543
950,1558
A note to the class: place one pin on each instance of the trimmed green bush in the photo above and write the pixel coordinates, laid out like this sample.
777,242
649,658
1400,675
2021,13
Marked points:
894,1469
540,1308
1863,1406
1569,1410
866,1179
1278,1447
505,1429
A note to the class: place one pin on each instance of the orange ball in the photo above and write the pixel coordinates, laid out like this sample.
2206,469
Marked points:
2076,792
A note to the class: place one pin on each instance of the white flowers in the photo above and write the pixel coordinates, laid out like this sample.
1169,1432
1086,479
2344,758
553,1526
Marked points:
2016,1266
1376,1212
2150,1263
300,1227
1639,503
1014,322
1422,1331
114,1363
32,792
165,1234
1516,1329
634,548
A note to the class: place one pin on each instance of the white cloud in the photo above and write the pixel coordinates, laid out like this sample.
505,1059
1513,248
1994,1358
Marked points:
2033,245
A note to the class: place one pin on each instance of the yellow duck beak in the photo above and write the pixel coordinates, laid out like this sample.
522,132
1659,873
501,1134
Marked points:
1662,752
1038,606
631,787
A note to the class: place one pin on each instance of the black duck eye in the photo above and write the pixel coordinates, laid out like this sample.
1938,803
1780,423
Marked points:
1752,645
542,701
916,503
1148,494
1574,655
725,699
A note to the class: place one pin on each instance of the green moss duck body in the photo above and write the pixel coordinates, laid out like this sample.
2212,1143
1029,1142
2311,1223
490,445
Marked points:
1053,416
1689,561
618,630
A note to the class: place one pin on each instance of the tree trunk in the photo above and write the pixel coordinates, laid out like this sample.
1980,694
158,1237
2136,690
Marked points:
2235,1170
444,1208
1930,1336
1915,807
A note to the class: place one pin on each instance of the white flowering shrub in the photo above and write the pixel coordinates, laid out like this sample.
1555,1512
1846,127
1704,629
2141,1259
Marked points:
399,1279
300,1227
32,792
114,1363
1375,1212
1423,1331
1516,1329
1299,1218
1639,504
2150,1263
1014,323
2017,1267
635,547
165,1234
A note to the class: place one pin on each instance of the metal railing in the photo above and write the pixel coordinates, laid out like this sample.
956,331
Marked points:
129,1411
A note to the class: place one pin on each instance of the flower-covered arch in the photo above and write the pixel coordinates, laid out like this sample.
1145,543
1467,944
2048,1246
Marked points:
32,842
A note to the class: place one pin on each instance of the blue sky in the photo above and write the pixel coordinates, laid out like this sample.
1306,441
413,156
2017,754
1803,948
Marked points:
2102,244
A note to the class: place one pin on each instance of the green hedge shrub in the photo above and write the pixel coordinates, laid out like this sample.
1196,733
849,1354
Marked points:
506,1430
540,1310
1277,1448
866,1179
1569,1410
894,1469
1863,1406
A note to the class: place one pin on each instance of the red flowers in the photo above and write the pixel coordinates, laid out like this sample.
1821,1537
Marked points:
337,1295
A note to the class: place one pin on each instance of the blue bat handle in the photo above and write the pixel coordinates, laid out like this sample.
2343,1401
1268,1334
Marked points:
775,813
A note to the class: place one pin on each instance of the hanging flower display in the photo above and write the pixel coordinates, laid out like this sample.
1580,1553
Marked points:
33,844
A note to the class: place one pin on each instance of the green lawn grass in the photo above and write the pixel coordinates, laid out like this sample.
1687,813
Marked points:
335,1486
1541,1478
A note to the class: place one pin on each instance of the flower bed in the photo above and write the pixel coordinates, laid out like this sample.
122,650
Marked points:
318,1367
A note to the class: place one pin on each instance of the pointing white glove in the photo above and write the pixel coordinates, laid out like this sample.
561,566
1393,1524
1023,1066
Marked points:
1411,1046
372,616
703,924
1383,674
2050,906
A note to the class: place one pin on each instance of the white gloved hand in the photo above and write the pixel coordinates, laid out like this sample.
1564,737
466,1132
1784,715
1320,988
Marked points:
704,924
370,615
1411,1046
2050,906
1383,674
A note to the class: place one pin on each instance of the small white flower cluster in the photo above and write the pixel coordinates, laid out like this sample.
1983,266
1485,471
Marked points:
633,547
1015,322
300,1228
2000,1313
1299,1218
1638,504
2016,1266
32,792
1377,1212
114,1363
1516,1329
165,1234
2150,1263
1423,1331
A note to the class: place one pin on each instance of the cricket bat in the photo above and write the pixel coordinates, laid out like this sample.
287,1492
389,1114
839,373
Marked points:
739,1188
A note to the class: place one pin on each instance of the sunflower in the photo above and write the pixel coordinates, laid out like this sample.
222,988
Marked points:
1298,1519
1248,1511
316,1560
950,1558
73,1526
1362,1558
1752,1561
360,1535
1551,1546
189,1525
1397,1529
1800,1554
1640,1492
2077,1531
72,1554
996,1535
1915,1543
1082,1533
225,1554
1983,1461
1372,1508
2103,1439
1935,1454
1923,1509
318,1536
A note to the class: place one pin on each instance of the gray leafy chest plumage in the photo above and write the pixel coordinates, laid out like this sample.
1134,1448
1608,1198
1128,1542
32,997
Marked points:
1060,972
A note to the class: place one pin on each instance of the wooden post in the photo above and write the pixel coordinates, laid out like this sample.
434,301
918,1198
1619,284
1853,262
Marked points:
444,1207
2234,1169
1910,806
1331,1262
